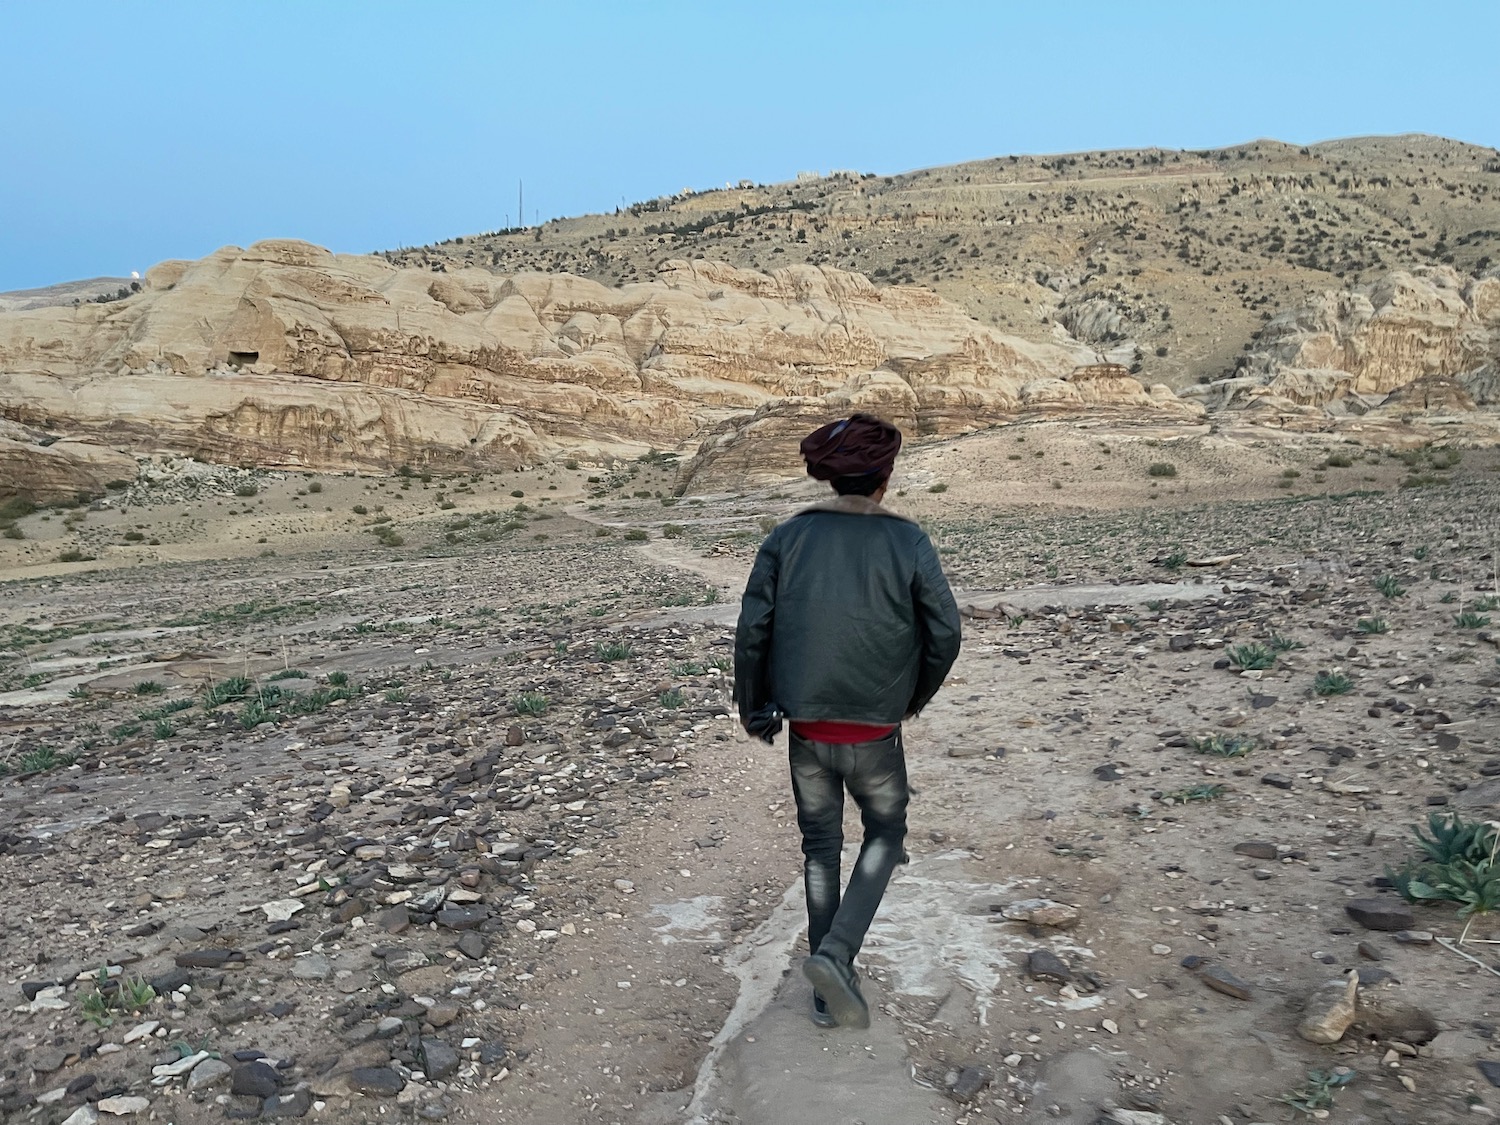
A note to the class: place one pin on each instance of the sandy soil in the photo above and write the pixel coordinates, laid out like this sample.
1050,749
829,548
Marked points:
632,856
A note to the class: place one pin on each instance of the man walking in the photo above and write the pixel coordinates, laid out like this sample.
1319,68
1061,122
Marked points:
847,627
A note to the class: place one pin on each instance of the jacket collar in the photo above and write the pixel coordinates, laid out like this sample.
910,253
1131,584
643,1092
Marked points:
853,506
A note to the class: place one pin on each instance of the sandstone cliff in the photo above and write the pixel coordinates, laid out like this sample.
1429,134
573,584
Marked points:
1425,341
287,355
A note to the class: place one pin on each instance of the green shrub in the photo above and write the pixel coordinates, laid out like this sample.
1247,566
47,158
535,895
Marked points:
636,535
73,554
149,687
672,531
1226,746
1338,461
1470,620
1249,657
1390,586
939,487
1332,683
227,691
614,650
672,700
1161,469
530,703
13,532
288,674
247,489
361,510
1371,625
315,486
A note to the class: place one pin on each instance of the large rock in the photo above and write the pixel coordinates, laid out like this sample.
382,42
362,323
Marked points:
284,354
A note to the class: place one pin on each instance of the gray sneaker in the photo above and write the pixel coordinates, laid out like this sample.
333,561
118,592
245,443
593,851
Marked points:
837,984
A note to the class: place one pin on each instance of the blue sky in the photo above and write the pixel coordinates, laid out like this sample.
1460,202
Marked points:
135,131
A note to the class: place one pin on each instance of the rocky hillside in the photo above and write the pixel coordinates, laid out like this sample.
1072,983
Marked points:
1183,255
1346,286
287,355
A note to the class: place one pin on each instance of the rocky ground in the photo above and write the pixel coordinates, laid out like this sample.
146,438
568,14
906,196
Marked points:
451,821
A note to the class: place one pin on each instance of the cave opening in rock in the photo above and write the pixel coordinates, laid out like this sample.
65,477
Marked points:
243,359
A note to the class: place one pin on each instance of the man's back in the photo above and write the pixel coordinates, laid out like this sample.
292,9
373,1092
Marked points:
847,617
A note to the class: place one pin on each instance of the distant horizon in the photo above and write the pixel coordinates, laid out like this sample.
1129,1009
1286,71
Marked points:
123,277
172,129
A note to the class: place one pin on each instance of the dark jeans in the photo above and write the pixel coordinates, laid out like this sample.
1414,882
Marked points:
875,775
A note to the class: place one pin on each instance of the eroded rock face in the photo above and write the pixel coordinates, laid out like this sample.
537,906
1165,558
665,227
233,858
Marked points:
1420,342
286,355
34,466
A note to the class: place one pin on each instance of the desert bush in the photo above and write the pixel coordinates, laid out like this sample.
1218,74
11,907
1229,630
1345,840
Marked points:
1332,683
13,532
636,535
1161,469
530,703
1226,745
1390,586
614,650
1338,461
73,554
1468,619
672,531
247,489
939,487
315,486
1369,625
1249,657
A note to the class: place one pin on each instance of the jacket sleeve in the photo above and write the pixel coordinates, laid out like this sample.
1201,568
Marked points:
937,616
752,637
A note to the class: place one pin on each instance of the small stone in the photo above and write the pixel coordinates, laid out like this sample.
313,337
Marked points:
256,1080
48,1059
1330,1011
1386,914
140,1031
208,1074
1192,962
1220,979
312,966
180,1067
1277,781
462,917
1369,951
1161,950
971,1079
1487,1067
1108,772
441,1015
380,1081
1042,964
440,1060
471,945
207,958
281,909
395,920
1257,849
123,1106
83,1115
1041,912
293,1104
1414,937
514,735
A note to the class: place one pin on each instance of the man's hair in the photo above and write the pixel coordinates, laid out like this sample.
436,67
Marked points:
866,484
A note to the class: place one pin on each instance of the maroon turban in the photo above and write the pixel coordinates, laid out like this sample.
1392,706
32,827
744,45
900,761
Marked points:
856,446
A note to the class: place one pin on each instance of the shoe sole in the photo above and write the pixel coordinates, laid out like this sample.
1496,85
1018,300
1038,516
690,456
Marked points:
845,1005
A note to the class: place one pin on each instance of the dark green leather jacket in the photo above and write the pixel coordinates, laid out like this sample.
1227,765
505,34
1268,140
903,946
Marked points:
846,616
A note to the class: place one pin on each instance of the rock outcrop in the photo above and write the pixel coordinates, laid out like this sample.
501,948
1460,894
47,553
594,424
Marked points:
286,355
46,471
1424,342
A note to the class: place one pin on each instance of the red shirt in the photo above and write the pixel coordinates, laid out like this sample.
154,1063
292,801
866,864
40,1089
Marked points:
840,734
